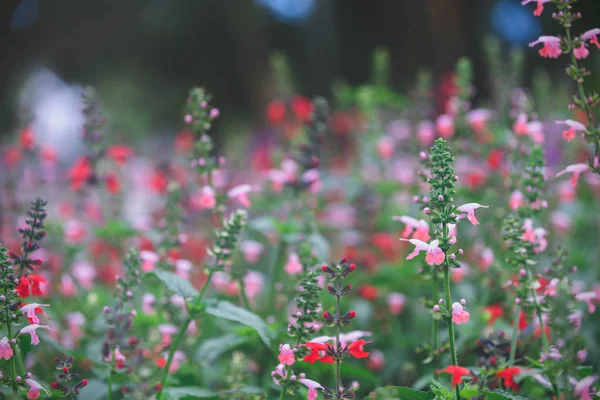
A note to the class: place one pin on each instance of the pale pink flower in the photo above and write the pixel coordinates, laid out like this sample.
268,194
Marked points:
278,179
286,355
396,302
178,358
240,193
582,355
535,130
166,333
458,274
385,147
148,300
419,229
520,125
376,360
74,232
550,289
31,330
592,36
149,260
253,284
312,178
425,133
85,273
435,255
280,371
478,119
251,250
452,233
582,387
470,208
581,52
551,47
293,265
576,170
6,350
574,127
459,314
67,286
34,389
183,268
566,192
445,126
29,309
205,198
589,298
312,388
75,320
515,200
539,5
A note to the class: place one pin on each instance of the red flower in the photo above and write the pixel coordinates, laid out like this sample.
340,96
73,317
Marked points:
39,286
26,138
161,362
522,321
80,172
276,112
184,141
119,153
368,292
318,353
386,243
159,182
357,350
495,311
508,374
23,287
113,184
48,154
495,158
302,108
456,372
12,156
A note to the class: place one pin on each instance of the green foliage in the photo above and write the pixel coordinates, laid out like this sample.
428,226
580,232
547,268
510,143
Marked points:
188,393
226,310
175,283
398,392
502,395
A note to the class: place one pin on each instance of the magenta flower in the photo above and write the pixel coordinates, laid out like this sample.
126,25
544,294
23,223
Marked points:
286,355
31,330
6,350
470,208
582,387
539,6
459,314
34,389
576,170
312,388
205,199
551,47
574,127
592,36
29,309
435,255
149,260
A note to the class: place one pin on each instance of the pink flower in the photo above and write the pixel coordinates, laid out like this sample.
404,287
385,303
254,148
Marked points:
183,268
31,330
385,147
251,250
253,284
149,260
487,259
419,229
452,233
74,232
574,127
435,255
67,286
286,355
396,302
576,170
85,273
312,178
459,314
515,200
551,47
6,350
535,130
520,125
470,208
589,298
205,199
166,332
539,8
34,389
29,309
582,387
592,36
425,133
445,125
240,193
75,320
293,265
148,300
478,119
581,52
312,388
376,361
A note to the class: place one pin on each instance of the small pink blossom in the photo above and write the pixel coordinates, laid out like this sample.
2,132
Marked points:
183,268
29,309
251,250
582,387
478,119
6,350
240,193
459,314
581,52
486,259
539,6
166,332
385,147
535,130
293,265
376,361
149,260
551,47
396,302
419,229
205,198
470,208
74,232
589,298
312,388
67,286
520,125
435,255
576,170
85,273
31,330
253,284
148,300
286,355
592,36
425,133
34,389
445,126
574,127
515,200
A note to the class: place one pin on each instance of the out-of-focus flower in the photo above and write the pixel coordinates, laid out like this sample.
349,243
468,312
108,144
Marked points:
576,170
457,373
459,314
573,128
31,330
293,265
508,375
396,302
240,193
251,250
470,208
539,6
551,47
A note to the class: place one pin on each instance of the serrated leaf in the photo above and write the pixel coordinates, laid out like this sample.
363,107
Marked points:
211,349
468,392
177,393
502,395
176,283
226,310
399,392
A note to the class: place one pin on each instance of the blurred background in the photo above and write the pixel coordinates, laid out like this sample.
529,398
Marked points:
143,55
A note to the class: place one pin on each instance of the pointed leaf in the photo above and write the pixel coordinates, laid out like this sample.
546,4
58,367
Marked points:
231,312
176,283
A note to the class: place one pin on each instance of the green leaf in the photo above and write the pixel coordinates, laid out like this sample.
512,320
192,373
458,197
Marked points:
468,392
177,393
94,390
502,395
320,245
176,283
115,230
211,349
399,392
583,371
226,310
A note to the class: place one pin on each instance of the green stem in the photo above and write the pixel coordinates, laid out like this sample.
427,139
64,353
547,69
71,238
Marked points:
206,284
434,333
110,375
172,349
243,294
450,326
538,310
275,271
283,391
515,335
338,376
